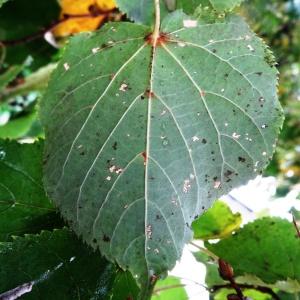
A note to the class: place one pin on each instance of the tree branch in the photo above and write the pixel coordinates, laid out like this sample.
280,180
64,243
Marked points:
261,289
296,226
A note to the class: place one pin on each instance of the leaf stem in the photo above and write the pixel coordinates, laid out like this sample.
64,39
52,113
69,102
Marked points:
155,35
206,251
169,287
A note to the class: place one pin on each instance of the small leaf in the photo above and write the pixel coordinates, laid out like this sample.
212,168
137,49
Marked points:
267,248
18,127
216,223
140,140
24,206
169,289
9,76
57,264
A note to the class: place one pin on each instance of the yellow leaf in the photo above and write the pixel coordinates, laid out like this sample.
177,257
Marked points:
106,4
80,24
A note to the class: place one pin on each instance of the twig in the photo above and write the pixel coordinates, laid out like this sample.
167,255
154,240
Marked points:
169,287
52,26
3,53
206,251
261,289
296,226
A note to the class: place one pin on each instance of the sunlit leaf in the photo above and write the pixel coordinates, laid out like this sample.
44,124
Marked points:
216,223
169,289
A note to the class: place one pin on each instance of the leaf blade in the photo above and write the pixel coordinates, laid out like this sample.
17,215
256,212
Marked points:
143,119
24,205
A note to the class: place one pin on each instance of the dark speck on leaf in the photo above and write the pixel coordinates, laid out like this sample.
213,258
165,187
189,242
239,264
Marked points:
204,141
115,146
242,159
106,238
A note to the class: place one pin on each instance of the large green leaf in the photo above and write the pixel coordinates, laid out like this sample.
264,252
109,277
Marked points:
24,206
57,266
267,248
218,222
140,140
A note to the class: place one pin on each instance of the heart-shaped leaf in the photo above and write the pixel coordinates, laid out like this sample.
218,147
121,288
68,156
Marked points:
142,138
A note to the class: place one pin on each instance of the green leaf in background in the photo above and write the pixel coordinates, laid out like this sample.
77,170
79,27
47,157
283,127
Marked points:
24,206
9,75
216,223
57,264
267,248
169,289
2,2
189,6
138,147
18,127
124,287
140,11
225,5
19,19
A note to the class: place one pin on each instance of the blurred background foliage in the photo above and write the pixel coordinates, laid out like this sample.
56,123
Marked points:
278,23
